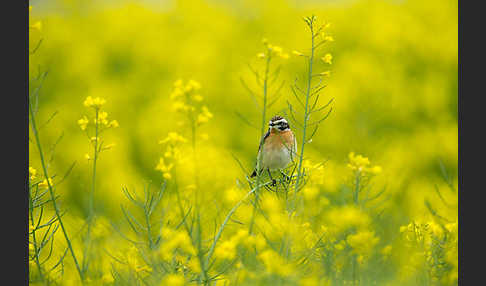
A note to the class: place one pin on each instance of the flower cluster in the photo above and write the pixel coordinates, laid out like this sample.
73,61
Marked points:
98,124
272,50
228,248
175,240
187,99
172,153
362,243
433,245
32,173
362,165
44,184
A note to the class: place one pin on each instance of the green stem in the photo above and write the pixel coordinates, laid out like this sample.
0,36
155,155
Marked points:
91,195
356,188
306,119
36,251
51,191
149,230
93,181
231,212
262,132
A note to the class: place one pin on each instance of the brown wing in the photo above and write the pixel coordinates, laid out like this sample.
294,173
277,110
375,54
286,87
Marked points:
259,149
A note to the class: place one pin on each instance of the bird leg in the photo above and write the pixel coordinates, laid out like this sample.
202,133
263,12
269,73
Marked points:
274,182
287,178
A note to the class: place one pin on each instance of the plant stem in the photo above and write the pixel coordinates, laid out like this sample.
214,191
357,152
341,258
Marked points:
36,250
231,212
306,118
262,132
91,196
93,181
51,191
356,188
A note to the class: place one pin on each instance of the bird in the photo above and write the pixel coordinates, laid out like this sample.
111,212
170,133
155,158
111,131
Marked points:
277,148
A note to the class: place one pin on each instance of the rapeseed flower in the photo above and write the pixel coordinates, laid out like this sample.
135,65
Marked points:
274,263
113,124
363,242
32,173
44,183
83,122
173,138
96,102
164,168
173,240
327,59
173,280
362,164
36,26
297,53
204,116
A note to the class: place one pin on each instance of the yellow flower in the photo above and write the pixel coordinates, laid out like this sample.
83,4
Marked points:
87,156
165,169
362,242
102,115
44,183
261,55
144,268
276,49
94,102
386,251
109,146
194,265
173,138
329,38
326,73
204,136
204,116
83,122
178,83
327,59
180,106
361,164
345,217
175,240
32,173
311,193
297,53
176,93
193,85
113,124
107,278
197,97
36,26
275,263
226,250
173,280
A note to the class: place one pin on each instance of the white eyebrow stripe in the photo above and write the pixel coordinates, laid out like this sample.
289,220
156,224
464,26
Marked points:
278,121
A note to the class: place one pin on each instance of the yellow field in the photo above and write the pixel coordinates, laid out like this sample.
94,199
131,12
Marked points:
147,117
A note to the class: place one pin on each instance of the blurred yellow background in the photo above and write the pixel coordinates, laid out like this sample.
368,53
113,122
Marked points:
394,80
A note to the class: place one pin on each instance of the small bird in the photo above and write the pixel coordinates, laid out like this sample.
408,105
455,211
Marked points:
277,149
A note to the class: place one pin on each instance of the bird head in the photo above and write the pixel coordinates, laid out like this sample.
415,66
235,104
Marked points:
278,123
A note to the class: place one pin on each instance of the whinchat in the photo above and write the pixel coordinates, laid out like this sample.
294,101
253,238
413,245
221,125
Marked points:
277,149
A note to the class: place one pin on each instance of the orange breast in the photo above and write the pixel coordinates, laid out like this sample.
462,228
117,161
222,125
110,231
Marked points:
279,139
